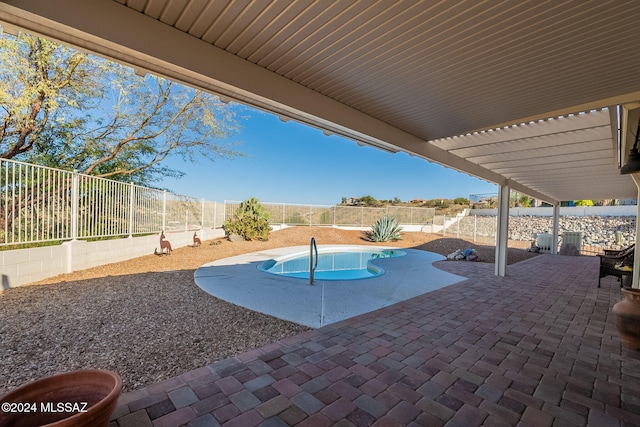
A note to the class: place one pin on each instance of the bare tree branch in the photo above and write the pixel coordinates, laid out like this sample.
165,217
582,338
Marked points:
63,108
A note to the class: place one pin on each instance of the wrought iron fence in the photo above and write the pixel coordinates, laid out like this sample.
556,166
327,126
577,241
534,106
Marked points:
345,216
34,203
40,204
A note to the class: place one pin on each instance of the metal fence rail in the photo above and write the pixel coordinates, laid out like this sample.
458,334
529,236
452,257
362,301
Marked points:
35,203
40,204
345,216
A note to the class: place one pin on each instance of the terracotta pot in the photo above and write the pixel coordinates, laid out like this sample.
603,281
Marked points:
60,400
627,317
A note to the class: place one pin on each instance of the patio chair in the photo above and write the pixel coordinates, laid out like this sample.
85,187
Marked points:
611,258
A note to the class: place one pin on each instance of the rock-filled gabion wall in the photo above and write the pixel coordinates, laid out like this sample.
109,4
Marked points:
606,232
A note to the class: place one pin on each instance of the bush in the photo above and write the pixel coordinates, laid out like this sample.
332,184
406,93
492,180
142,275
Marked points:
385,229
250,221
368,201
461,201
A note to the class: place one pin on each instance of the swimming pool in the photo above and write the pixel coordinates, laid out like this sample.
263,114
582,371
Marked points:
238,280
343,265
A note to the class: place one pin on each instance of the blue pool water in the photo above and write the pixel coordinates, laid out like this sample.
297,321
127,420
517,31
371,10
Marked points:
345,265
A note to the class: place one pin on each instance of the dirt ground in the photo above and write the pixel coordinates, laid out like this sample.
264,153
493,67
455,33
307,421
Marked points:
147,320
211,250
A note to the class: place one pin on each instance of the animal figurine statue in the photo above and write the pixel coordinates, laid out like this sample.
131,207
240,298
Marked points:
164,244
196,239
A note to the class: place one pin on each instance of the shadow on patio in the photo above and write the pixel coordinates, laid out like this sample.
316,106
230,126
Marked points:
535,348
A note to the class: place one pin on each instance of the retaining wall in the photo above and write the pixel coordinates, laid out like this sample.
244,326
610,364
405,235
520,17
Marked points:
22,266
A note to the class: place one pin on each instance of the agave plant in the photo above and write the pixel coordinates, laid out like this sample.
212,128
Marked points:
385,229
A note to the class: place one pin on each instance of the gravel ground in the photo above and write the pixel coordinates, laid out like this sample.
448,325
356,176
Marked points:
147,320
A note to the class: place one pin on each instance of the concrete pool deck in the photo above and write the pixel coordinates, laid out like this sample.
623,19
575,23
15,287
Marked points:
239,281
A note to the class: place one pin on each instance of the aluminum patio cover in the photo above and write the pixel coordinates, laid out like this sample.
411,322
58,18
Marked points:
467,84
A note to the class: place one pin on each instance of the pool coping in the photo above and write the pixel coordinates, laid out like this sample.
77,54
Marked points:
330,249
239,281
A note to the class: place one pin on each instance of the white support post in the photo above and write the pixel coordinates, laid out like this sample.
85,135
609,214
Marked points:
164,209
131,200
75,202
556,228
202,219
502,231
215,213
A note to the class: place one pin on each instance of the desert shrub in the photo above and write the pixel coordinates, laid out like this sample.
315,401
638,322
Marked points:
385,229
250,221
461,201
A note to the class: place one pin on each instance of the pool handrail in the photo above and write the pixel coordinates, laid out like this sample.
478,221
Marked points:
312,266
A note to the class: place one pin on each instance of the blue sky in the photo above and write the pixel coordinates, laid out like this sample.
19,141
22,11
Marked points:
288,162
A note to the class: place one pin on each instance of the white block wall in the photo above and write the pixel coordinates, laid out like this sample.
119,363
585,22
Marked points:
23,266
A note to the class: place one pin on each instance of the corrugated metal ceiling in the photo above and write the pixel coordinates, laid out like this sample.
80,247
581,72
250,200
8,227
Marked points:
434,69
426,70
437,69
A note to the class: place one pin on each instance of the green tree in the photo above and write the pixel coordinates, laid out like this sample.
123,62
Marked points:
525,201
583,202
461,201
63,108
369,201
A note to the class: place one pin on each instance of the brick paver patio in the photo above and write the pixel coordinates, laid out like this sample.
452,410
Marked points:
537,348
